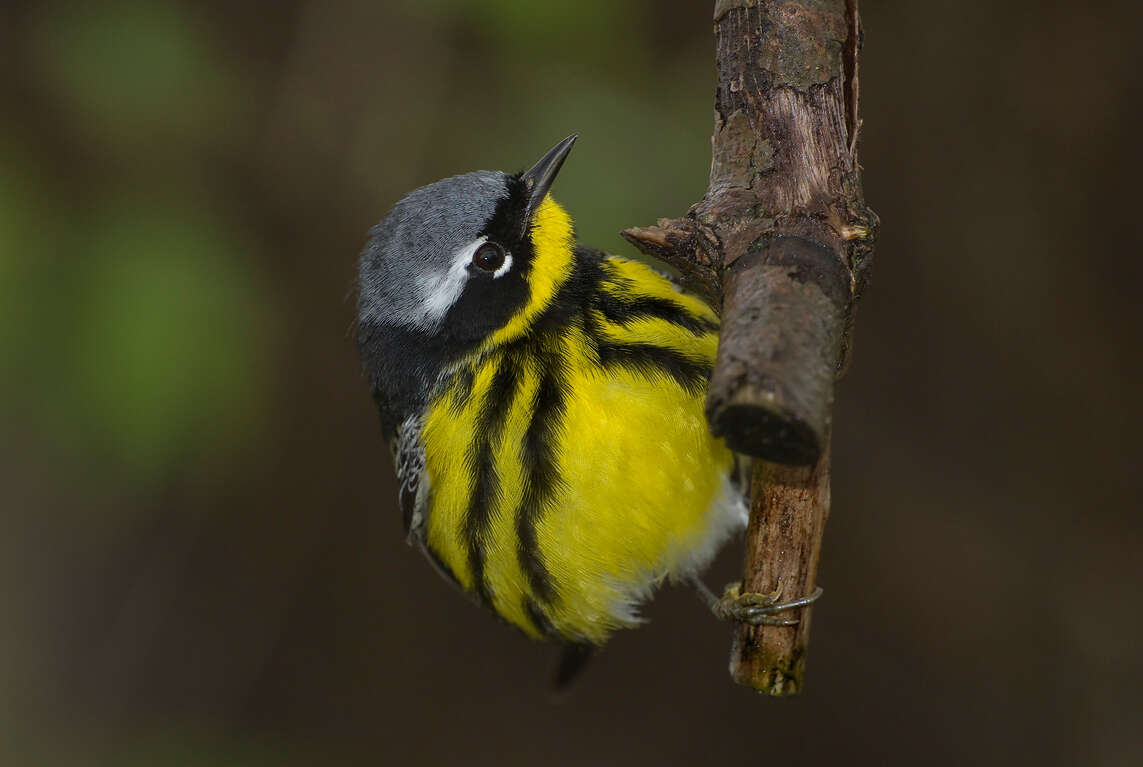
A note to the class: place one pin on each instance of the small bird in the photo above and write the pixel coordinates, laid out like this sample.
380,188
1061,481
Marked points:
544,404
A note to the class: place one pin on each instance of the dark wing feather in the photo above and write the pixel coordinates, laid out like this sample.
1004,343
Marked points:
409,457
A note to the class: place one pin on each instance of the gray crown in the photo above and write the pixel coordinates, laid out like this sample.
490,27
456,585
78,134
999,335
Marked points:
412,248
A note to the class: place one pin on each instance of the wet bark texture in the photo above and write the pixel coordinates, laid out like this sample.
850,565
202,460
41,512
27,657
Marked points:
783,241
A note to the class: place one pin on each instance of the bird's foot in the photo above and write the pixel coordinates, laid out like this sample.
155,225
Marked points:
759,609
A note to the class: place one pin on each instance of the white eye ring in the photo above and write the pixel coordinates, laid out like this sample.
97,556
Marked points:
491,257
504,267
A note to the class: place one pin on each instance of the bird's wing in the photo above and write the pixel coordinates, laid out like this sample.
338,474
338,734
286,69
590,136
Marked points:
409,456
655,265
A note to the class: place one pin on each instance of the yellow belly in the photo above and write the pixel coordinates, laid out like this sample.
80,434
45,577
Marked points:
643,490
644,484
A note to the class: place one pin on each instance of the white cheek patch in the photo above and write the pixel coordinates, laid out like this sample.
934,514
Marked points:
439,292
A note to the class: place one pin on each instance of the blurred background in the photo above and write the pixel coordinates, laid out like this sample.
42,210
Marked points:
201,561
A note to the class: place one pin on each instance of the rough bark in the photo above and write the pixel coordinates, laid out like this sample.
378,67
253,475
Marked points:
791,504
782,240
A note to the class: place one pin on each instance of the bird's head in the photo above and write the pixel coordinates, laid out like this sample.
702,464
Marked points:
468,260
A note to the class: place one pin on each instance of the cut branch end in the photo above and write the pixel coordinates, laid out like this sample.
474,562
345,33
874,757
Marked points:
753,422
677,243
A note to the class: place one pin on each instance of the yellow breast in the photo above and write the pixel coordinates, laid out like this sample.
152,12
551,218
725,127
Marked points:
570,473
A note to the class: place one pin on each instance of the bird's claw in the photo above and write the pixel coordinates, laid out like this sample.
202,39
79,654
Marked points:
759,609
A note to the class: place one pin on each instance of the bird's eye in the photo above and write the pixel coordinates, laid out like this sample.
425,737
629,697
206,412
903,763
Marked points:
489,257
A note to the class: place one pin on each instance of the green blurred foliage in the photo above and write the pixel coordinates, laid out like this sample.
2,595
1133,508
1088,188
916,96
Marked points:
25,215
169,336
529,38
134,74
134,332
142,342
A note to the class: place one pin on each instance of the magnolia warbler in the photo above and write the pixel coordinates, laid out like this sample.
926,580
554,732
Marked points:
544,403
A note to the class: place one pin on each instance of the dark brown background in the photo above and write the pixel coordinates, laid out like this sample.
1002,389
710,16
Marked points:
201,560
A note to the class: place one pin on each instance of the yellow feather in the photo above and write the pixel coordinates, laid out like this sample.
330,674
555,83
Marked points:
641,475
506,580
632,278
657,332
553,244
447,437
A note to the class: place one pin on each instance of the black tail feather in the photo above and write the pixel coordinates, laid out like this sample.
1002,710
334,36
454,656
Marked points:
573,658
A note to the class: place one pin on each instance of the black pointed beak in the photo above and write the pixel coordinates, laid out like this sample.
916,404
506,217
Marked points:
539,179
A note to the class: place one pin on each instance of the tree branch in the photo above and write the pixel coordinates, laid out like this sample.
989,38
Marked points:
784,239
790,506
